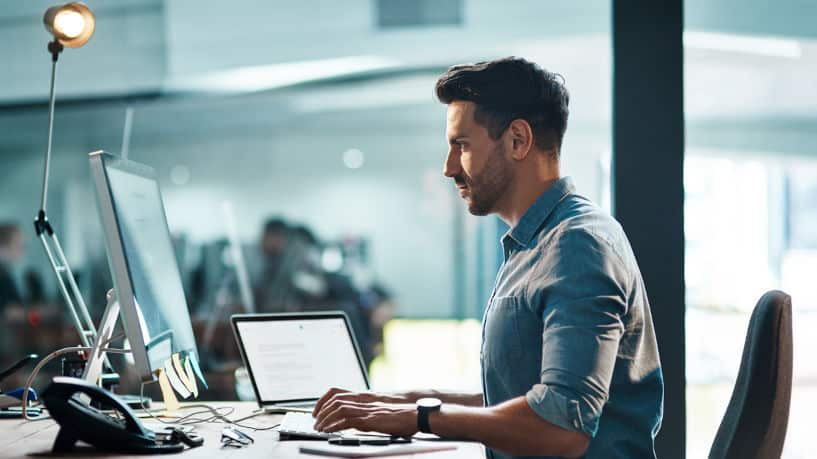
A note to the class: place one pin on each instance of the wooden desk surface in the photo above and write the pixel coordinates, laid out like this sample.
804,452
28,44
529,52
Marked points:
21,439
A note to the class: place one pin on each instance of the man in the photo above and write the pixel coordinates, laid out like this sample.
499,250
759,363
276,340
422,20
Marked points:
12,251
272,289
569,359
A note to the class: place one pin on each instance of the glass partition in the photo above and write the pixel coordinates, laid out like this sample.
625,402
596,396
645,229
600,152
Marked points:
750,174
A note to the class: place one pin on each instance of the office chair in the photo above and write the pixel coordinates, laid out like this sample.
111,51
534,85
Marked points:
754,425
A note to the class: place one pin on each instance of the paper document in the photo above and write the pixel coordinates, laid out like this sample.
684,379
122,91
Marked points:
374,451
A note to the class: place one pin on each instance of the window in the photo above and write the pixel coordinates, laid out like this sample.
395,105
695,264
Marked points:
750,174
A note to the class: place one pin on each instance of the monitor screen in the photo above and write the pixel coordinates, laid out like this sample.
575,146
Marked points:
300,359
153,272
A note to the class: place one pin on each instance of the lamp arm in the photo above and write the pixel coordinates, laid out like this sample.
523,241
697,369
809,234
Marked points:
51,243
55,48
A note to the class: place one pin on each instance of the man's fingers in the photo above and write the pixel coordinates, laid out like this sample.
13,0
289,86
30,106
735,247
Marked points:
327,412
395,420
326,397
343,424
332,396
322,401
368,422
339,412
341,397
362,423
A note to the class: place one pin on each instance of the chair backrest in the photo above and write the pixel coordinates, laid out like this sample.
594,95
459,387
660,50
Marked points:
755,422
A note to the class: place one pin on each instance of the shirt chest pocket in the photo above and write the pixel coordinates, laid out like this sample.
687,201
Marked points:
502,341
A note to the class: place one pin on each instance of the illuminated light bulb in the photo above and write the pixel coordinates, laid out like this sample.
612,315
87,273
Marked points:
69,23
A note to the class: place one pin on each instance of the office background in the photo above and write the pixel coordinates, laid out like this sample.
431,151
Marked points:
322,114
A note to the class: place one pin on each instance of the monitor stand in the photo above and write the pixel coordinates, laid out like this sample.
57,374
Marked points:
97,360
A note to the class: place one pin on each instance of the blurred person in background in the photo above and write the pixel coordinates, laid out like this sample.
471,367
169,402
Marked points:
12,252
30,322
293,279
272,284
12,310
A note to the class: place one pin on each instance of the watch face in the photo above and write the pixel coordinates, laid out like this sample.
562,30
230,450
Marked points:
429,402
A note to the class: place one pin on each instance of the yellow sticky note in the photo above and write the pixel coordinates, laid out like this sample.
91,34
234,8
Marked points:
171,402
192,378
174,380
180,371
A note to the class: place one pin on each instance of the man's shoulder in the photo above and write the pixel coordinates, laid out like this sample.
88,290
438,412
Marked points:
581,234
577,217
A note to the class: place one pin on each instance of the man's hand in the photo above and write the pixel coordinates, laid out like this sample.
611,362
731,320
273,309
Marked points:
336,415
336,394
512,427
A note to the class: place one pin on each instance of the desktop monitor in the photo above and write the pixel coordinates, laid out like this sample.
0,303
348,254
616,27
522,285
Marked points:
143,265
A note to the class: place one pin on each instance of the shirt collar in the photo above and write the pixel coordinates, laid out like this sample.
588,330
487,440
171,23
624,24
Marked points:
539,211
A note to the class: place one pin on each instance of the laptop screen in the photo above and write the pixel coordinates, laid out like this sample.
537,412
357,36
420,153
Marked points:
298,358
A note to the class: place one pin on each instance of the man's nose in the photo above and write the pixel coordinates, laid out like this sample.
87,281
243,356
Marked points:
451,168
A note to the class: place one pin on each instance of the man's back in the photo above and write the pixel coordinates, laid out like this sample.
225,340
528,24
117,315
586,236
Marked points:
569,326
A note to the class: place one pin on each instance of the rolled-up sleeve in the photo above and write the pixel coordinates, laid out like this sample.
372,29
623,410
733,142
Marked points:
581,305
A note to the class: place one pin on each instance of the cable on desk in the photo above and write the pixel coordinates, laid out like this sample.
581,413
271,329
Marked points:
47,359
215,415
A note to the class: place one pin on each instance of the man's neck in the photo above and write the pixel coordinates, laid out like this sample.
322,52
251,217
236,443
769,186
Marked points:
523,195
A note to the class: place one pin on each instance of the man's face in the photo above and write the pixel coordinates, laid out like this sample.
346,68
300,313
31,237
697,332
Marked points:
478,164
14,250
273,243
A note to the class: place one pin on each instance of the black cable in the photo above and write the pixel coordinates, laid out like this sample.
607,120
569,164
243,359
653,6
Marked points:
215,415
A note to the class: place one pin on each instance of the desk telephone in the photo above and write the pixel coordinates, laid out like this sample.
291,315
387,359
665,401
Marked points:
126,434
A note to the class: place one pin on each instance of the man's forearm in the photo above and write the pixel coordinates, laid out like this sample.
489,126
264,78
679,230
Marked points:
512,427
457,398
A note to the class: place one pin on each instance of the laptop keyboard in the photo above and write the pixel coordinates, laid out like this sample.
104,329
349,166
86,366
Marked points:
302,425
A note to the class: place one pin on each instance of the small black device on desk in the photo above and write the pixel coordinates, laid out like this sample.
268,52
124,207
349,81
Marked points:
79,421
367,440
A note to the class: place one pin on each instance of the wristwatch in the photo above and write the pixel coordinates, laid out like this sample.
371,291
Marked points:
426,406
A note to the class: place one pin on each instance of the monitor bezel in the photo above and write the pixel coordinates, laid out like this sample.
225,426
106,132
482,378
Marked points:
117,259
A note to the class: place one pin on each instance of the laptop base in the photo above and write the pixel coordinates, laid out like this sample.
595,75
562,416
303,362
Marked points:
283,409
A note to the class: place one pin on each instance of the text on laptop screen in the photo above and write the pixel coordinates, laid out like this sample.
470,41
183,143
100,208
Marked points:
300,359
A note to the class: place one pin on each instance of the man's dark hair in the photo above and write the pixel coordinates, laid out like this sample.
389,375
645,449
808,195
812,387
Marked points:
507,89
275,226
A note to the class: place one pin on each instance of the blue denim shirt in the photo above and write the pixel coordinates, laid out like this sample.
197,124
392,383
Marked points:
569,327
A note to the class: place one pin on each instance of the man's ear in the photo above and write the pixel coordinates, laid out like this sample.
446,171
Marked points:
521,139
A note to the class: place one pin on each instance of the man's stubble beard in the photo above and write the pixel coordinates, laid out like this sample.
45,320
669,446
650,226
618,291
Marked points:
491,185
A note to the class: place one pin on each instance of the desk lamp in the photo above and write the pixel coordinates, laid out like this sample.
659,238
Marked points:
71,25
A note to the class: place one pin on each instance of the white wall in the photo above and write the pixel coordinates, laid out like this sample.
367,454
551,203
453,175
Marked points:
126,54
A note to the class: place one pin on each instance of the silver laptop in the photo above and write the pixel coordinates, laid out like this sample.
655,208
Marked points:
293,359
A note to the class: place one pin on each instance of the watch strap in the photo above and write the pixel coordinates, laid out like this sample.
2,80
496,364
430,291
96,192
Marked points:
426,406
422,419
